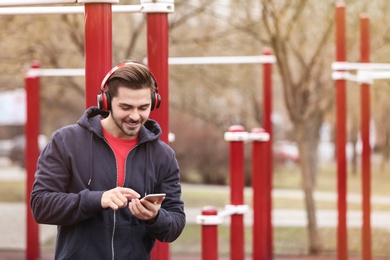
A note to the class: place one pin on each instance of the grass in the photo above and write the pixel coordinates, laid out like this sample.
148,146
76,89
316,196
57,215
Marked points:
12,191
293,240
287,241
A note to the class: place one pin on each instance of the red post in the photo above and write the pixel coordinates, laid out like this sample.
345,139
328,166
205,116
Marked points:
268,161
209,235
342,245
260,243
237,138
365,135
157,54
98,46
32,130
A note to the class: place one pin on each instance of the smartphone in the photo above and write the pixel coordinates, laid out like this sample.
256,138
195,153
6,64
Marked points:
154,197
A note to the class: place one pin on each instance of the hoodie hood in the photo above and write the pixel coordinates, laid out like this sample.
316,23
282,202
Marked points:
150,131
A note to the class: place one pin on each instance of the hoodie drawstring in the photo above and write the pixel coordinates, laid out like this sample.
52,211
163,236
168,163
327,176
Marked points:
90,161
146,168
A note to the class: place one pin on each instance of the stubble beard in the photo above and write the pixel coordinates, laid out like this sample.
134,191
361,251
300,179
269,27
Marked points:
125,129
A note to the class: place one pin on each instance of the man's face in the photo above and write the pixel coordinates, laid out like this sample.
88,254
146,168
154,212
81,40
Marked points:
129,111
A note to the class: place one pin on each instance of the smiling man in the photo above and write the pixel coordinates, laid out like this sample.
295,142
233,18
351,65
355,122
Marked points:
92,175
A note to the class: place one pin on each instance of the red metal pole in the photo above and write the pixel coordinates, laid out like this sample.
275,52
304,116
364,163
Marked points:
157,35
209,236
157,52
365,135
268,161
342,245
32,130
260,242
236,192
98,46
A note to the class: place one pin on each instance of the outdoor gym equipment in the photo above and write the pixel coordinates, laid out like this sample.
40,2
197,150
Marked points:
98,60
261,139
366,73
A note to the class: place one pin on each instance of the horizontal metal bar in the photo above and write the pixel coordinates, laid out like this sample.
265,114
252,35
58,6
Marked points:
360,66
64,9
221,60
34,2
55,72
218,60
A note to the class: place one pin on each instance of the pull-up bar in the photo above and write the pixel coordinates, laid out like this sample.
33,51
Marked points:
262,242
64,9
359,66
37,72
361,76
366,72
98,60
34,2
171,61
219,60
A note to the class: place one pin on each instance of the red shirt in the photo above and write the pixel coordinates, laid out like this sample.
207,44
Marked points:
121,148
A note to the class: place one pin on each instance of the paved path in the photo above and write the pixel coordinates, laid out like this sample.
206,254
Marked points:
13,222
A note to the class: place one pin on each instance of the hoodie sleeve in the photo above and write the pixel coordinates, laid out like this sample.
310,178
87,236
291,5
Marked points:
171,219
51,200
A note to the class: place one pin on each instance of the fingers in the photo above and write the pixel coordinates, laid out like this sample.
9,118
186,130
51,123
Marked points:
129,193
118,197
143,209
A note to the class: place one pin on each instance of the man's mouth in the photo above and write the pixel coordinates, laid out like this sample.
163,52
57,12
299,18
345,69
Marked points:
132,124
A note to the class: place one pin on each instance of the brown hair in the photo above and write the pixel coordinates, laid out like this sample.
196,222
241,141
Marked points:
134,75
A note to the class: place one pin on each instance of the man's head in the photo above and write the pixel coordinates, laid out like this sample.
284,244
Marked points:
129,96
129,74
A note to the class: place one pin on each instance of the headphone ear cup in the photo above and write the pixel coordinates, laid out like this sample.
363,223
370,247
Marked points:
104,100
156,101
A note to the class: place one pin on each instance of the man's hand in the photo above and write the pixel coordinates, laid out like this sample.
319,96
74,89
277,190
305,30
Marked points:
144,209
118,197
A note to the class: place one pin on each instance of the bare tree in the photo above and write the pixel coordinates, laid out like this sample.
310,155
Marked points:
302,66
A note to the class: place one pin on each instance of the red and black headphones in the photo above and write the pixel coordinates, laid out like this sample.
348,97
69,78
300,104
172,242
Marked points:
104,99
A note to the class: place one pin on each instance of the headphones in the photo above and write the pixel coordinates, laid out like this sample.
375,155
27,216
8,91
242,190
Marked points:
104,99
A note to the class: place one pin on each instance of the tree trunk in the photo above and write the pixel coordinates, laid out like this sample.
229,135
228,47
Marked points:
385,151
307,140
354,134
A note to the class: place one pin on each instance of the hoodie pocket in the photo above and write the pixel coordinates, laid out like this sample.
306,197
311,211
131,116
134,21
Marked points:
132,242
92,240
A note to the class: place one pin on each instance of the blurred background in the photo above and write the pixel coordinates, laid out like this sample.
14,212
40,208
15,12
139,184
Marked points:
204,100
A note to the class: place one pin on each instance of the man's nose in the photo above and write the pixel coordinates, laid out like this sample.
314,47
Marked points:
134,115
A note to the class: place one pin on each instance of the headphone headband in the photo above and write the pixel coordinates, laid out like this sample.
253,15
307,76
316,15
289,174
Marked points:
121,65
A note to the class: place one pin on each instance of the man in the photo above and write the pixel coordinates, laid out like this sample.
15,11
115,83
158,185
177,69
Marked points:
91,176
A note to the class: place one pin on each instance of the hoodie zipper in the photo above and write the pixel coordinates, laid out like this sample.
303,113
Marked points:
114,212
124,178
124,167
